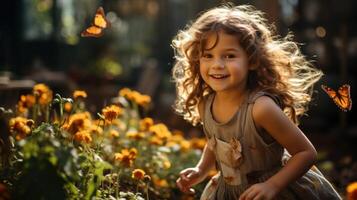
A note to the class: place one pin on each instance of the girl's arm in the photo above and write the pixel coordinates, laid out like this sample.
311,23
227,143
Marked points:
269,116
207,161
192,176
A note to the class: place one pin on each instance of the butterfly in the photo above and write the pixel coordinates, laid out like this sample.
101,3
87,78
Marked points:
342,97
98,25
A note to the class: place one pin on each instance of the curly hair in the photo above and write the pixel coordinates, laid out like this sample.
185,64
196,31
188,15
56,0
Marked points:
280,68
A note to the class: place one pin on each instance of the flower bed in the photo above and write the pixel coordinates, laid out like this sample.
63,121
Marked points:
56,149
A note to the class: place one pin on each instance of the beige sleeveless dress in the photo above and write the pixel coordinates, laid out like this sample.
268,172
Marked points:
245,156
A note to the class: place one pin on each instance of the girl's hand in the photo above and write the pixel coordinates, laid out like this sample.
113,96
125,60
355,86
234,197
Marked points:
188,177
260,191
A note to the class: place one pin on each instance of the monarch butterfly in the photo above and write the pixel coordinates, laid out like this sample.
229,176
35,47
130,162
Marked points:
342,97
98,25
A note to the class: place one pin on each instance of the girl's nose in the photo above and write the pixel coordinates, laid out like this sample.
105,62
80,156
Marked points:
218,64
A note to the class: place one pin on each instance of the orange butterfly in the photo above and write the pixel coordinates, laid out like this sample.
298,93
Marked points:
342,97
98,25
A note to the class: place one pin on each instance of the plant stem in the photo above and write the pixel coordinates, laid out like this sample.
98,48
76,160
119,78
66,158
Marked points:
147,191
117,188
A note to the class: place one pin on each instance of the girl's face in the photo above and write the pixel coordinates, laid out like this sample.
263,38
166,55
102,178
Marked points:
225,66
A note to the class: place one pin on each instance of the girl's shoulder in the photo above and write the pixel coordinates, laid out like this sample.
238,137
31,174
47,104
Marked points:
264,104
263,97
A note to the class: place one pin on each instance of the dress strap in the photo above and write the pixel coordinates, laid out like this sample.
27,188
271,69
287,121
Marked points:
255,96
207,102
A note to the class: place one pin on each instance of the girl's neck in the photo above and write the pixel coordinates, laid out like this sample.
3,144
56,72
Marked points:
226,105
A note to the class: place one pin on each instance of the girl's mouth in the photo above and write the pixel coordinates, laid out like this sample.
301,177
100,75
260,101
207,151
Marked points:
218,76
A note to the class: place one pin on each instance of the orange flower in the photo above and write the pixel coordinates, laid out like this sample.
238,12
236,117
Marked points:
138,174
126,157
78,122
83,136
160,130
140,99
160,182
68,107
167,164
95,129
352,191
135,135
21,126
79,94
146,123
198,143
42,93
111,112
114,133
176,138
125,92
156,140
185,145
26,102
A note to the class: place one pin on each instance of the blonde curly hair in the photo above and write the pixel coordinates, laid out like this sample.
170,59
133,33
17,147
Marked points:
280,69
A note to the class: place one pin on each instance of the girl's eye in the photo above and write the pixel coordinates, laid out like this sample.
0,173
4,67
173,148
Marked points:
207,55
229,56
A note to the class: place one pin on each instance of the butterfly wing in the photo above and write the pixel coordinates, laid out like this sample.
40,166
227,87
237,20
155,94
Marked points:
99,23
100,20
345,100
342,97
92,31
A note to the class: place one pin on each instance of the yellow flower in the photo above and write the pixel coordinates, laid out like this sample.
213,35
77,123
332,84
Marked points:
160,182
160,130
26,102
138,174
146,123
125,92
126,157
68,107
21,126
83,136
114,133
352,191
42,93
167,164
185,145
96,129
140,99
176,138
198,143
119,124
79,94
111,112
171,144
78,122
135,135
156,140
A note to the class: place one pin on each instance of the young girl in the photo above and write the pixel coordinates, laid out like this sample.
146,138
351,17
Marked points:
247,87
